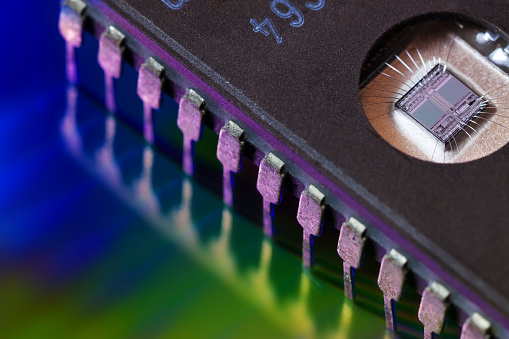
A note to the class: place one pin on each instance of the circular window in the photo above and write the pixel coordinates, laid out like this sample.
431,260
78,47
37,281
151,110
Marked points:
438,90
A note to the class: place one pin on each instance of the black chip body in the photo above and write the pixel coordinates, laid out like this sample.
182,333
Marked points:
292,78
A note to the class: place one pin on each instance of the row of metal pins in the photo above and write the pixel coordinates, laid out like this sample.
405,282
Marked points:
475,327
392,272
351,242
393,269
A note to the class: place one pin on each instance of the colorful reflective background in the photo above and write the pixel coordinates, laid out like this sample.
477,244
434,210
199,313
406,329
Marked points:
103,236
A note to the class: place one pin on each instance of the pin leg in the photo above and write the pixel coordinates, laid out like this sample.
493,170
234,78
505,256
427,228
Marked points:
307,249
229,152
227,187
390,314
148,126
391,280
350,248
187,156
310,217
109,88
190,122
349,281
433,308
268,212
110,56
70,25
428,334
150,82
270,185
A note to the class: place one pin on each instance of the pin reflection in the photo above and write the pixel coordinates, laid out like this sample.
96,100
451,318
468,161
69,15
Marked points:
105,155
143,186
68,126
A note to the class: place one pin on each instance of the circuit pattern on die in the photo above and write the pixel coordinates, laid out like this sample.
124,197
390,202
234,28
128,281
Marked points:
441,103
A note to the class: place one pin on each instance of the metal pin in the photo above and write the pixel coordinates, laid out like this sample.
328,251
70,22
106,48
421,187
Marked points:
190,120
432,311
476,327
270,185
111,48
310,217
70,25
229,153
150,84
391,280
350,248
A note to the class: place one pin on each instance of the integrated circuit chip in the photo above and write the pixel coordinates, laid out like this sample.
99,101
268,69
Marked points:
441,103
276,80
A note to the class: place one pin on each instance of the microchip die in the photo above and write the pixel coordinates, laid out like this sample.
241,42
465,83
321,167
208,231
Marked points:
441,103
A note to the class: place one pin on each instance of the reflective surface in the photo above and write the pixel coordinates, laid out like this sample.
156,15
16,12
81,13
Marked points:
143,251
233,252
